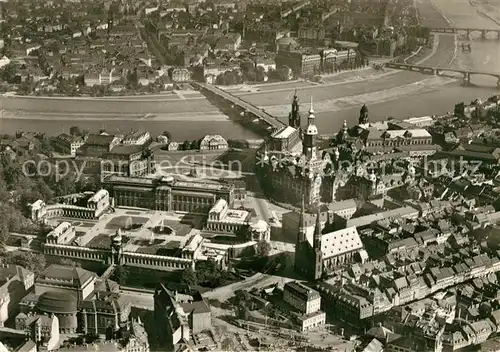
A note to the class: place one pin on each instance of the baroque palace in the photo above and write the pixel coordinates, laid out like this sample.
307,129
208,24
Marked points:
295,161
291,163
167,193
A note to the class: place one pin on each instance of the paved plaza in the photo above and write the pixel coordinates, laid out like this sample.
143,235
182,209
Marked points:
150,232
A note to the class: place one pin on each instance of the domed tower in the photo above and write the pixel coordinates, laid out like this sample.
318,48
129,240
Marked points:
309,148
363,115
294,115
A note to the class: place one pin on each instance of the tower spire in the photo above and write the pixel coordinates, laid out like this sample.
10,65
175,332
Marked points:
311,109
302,220
317,229
294,116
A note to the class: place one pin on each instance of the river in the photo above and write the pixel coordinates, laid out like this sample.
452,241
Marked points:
402,94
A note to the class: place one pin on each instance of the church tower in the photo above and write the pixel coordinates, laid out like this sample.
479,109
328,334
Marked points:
309,148
301,241
294,115
318,254
363,115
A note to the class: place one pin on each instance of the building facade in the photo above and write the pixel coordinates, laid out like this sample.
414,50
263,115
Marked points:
84,206
222,218
179,317
325,252
288,175
78,299
15,281
304,299
307,302
66,144
213,142
167,193
300,63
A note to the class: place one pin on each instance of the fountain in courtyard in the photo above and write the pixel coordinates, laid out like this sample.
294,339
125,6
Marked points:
163,229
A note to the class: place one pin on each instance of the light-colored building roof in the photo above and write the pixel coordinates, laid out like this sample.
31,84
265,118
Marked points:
403,212
211,138
284,132
259,225
193,243
236,216
339,242
99,195
37,204
342,205
219,206
420,120
60,229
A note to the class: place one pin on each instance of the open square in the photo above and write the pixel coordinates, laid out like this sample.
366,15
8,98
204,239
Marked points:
120,222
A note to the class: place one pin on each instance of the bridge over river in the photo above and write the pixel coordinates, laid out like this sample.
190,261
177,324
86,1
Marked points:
440,71
467,31
247,110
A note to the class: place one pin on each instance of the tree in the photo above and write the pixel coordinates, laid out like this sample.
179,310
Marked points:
260,74
45,146
67,262
186,145
74,131
167,134
29,260
283,73
188,277
263,248
459,110
195,144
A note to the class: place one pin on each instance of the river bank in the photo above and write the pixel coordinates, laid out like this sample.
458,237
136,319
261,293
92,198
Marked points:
420,96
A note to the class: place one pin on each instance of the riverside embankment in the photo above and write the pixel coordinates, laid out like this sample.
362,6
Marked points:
400,94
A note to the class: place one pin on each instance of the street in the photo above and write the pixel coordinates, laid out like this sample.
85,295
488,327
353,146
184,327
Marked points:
139,299
258,280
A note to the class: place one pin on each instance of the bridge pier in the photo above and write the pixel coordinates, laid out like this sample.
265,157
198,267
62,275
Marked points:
498,82
483,34
434,71
468,33
466,79
498,34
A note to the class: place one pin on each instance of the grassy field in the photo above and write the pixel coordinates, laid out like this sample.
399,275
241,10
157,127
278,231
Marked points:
180,228
119,222
103,240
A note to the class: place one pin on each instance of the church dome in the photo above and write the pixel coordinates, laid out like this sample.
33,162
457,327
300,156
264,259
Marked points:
260,226
57,303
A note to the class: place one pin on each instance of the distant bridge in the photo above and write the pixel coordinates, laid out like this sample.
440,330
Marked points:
440,71
248,109
467,31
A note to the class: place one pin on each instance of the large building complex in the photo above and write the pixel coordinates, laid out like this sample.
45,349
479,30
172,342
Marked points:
325,252
167,193
291,167
87,205
80,300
